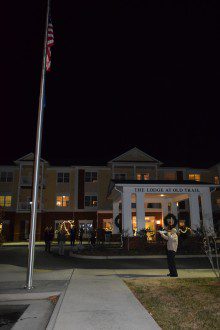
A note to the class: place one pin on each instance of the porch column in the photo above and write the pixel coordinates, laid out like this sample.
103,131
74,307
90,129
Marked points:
115,229
165,203
207,211
194,211
174,209
140,211
126,211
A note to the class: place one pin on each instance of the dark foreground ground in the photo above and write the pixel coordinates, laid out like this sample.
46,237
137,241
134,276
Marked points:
17,256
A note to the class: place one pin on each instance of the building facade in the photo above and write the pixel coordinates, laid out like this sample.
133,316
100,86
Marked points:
135,187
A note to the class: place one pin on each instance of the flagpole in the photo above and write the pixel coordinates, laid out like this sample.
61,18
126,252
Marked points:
34,205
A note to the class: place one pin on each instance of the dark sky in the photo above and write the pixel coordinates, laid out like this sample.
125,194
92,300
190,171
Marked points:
124,74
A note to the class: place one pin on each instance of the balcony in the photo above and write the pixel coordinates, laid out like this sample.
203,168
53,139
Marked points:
26,206
26,181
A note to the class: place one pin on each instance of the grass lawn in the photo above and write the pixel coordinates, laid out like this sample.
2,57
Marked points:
177,303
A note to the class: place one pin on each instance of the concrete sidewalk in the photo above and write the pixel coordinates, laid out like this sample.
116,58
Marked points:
99,300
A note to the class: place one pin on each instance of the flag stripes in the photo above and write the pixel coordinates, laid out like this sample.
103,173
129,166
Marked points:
50,43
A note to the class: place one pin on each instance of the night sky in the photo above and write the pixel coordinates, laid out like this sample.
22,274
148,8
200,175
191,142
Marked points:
124,74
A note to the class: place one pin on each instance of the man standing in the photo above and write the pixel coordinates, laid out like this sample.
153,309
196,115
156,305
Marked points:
47,239
72,236
172,244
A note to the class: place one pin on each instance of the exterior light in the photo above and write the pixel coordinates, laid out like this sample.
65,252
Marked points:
162,195
158,222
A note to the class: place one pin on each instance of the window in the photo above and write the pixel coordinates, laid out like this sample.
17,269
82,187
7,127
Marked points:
108,224
90,176
194,177
143,176
182,205
63,201
169,176
218,201
5,201
91,201
63,177
154,205
216,179
6,177
120,176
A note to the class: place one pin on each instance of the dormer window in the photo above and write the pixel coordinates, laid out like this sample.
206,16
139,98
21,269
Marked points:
120,176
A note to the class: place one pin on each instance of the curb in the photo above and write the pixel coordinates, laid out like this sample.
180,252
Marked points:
81,256
26,296
56,310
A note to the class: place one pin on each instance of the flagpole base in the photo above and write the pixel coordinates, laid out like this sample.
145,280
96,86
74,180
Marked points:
29,288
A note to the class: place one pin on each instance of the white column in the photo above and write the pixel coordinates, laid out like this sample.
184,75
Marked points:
126,211
140,211
207,211
165,202
194,211
174,209
115,229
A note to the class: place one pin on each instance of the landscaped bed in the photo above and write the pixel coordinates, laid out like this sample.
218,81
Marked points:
110,250
180,303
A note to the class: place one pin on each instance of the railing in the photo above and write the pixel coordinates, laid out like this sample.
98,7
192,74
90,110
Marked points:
26,206
27,181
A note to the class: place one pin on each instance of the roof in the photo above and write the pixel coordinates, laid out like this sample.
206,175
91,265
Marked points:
134,155
171,182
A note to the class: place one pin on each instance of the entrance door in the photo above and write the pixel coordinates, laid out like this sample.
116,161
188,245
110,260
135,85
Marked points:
150,225
87,225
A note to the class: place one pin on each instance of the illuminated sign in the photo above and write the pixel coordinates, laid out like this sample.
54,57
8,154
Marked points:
167,190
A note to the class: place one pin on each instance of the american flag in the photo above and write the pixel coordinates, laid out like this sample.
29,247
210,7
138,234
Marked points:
50,43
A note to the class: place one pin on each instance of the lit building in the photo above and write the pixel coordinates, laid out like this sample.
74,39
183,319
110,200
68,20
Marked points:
134,187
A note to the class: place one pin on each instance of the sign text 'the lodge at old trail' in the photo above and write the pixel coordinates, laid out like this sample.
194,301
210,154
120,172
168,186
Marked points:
167,190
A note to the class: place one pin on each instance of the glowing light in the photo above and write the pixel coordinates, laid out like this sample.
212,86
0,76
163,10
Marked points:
158,222
162,195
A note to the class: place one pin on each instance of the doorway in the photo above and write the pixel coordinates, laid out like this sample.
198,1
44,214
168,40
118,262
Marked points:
87,225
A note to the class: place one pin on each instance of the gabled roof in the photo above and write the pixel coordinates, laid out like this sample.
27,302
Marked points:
28,158
135,155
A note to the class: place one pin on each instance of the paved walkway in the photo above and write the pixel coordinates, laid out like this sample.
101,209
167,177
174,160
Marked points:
99,300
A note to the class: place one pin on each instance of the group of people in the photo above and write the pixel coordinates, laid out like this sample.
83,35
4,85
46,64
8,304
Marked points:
62,235
94,236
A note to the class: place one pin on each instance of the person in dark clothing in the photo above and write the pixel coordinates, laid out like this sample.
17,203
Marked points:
81,232
47,238
61,238
92,237
72,235
100,236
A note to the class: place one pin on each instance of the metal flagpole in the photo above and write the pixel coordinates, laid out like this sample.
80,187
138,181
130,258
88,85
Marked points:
34,205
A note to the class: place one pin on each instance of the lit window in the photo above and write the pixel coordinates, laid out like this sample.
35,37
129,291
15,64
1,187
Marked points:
5,201
143,176
63,177
6,177
108,224
62,201
194,177
218,201
216,179
120,176
90,176
91,201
